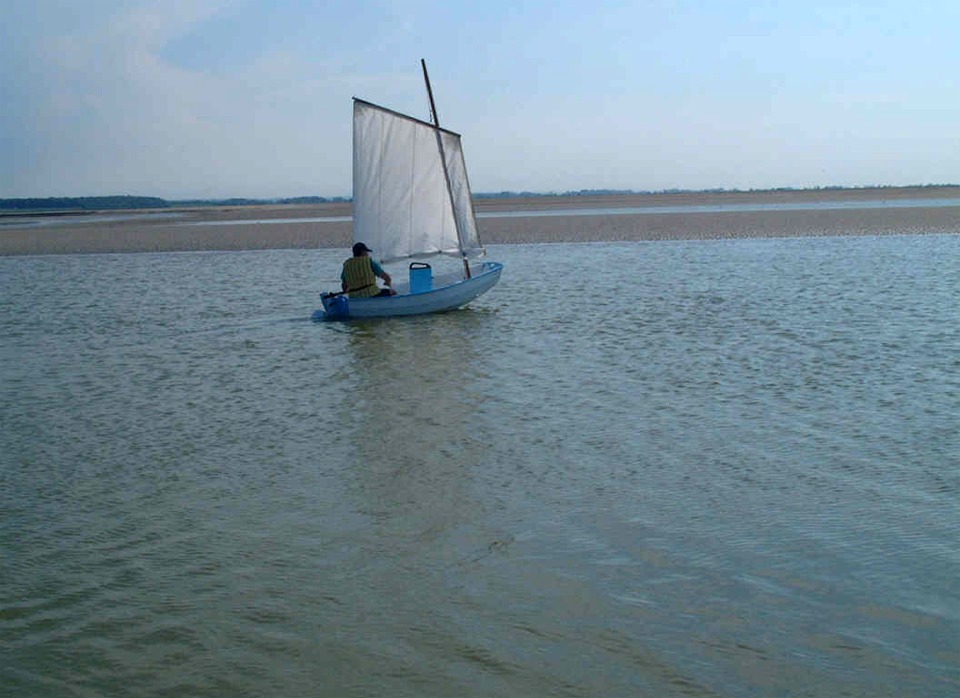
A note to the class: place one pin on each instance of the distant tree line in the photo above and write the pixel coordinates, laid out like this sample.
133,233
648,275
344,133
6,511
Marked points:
113,203
716,190
82,203
579,192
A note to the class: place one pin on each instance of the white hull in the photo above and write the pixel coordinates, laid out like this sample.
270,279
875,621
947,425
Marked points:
445,295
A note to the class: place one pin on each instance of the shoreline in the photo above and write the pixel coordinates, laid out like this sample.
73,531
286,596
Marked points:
234,228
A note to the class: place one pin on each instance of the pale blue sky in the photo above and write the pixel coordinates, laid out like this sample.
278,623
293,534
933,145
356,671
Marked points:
218,98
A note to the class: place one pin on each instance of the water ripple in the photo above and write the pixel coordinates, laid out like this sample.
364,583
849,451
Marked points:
726,468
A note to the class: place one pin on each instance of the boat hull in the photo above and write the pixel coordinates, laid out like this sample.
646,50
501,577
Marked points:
437,300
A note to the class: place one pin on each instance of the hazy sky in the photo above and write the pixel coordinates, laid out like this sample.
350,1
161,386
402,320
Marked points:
219,98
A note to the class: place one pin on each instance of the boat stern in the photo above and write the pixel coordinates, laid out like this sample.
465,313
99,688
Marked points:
335,306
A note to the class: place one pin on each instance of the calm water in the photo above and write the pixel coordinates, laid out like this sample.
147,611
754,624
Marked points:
724,468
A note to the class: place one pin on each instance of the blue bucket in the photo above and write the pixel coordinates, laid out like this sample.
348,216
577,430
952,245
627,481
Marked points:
421,277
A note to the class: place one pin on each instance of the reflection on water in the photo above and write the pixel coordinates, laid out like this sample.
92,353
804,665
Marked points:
411,408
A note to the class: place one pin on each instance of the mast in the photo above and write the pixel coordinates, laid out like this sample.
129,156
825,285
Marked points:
443,161
433,107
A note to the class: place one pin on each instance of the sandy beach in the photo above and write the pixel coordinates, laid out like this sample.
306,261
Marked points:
529,220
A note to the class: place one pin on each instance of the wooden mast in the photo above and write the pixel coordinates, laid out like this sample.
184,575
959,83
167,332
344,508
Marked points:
443,161
433,107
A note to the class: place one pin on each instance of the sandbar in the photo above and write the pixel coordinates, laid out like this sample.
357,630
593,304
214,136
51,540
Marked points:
597,218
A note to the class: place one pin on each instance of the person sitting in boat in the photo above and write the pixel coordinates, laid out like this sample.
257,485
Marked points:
360,272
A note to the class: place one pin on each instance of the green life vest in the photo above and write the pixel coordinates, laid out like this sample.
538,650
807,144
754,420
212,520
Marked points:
359,277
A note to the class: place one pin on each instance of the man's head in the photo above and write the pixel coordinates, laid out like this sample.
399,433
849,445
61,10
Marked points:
360,249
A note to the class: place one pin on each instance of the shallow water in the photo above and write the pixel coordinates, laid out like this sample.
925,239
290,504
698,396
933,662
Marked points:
730,208
674,468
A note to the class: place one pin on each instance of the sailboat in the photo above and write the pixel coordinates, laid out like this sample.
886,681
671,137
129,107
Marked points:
412,201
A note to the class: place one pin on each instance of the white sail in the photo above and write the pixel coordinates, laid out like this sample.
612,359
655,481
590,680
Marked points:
411,196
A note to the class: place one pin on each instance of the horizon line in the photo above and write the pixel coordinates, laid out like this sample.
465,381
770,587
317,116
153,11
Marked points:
506,193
